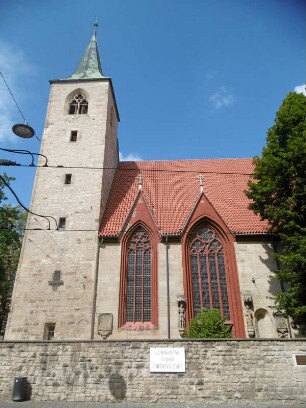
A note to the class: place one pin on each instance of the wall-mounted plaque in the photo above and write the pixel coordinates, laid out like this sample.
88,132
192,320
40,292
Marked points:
105,324
167,360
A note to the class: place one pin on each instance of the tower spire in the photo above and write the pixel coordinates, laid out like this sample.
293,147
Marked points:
90,65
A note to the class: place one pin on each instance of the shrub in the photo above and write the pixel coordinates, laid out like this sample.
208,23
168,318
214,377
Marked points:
208,324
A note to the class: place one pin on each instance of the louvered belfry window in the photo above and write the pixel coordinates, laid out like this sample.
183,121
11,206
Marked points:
138,302
208,274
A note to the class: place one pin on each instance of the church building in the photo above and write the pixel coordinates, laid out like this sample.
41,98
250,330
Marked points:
134,250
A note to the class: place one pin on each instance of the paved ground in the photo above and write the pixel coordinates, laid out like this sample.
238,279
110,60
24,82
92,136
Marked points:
45,404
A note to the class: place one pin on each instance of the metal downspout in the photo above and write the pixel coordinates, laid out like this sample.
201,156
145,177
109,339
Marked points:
168,289
94,302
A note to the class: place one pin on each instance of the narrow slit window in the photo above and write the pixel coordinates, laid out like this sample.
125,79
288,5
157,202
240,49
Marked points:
73,136
49,331
62,223
57,276
68,178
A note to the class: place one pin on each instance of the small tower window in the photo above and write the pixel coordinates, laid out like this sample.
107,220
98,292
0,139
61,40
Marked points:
49,331
57,276
68,178
73,136
78,105
62,223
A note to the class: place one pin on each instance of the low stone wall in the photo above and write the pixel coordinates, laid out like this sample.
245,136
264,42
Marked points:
109,371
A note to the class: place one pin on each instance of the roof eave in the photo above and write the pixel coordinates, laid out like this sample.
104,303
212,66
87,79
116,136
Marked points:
252,235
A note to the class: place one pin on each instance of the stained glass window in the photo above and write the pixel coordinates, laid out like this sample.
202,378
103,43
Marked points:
138,301
208,274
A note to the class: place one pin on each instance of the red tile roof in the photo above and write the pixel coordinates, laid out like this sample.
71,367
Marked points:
172,188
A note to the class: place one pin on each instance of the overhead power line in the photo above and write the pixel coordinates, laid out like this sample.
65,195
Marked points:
24,207
11,93
196,171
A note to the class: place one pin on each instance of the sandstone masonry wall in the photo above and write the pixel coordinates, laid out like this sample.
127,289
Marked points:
256,278
73,250
109,371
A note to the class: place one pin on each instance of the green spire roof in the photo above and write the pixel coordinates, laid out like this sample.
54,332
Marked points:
90,65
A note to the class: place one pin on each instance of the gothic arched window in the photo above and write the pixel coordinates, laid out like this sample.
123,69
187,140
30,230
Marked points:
207,271
138,303
78,105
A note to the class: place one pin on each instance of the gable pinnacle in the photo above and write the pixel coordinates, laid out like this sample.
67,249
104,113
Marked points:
140,179
201,179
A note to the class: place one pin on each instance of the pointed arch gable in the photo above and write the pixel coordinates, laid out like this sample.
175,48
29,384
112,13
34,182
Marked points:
138,281
140,213
204,208
224,274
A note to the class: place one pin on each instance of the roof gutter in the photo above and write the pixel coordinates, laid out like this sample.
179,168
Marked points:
253,234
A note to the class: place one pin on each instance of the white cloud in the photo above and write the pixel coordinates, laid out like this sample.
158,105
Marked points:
222,98
14,67
300,89
130,157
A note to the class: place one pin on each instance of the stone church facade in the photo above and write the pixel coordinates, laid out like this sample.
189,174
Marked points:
133,250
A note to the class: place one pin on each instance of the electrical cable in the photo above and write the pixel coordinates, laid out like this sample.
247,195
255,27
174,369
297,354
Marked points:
25,208
61,250
37,246
20,152
13,97
139,170
26,152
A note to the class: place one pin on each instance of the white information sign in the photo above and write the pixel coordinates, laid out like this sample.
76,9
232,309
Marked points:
167,360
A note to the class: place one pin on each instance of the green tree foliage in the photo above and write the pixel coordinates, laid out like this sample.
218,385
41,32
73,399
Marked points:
278,194
12,221
208,324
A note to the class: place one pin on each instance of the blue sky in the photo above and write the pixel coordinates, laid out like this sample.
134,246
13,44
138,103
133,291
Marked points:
193,79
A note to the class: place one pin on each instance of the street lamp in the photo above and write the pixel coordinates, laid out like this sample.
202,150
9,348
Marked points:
23,130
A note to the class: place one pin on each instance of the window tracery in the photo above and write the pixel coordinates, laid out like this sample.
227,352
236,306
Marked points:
78,105
207,270
138,285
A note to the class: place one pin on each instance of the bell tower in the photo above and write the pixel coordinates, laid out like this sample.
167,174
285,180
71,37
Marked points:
54,293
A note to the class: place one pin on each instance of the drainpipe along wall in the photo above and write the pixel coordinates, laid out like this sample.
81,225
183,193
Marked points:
168,288
94,302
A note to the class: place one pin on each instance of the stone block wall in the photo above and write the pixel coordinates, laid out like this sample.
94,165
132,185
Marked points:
114,371
36,302
256,266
